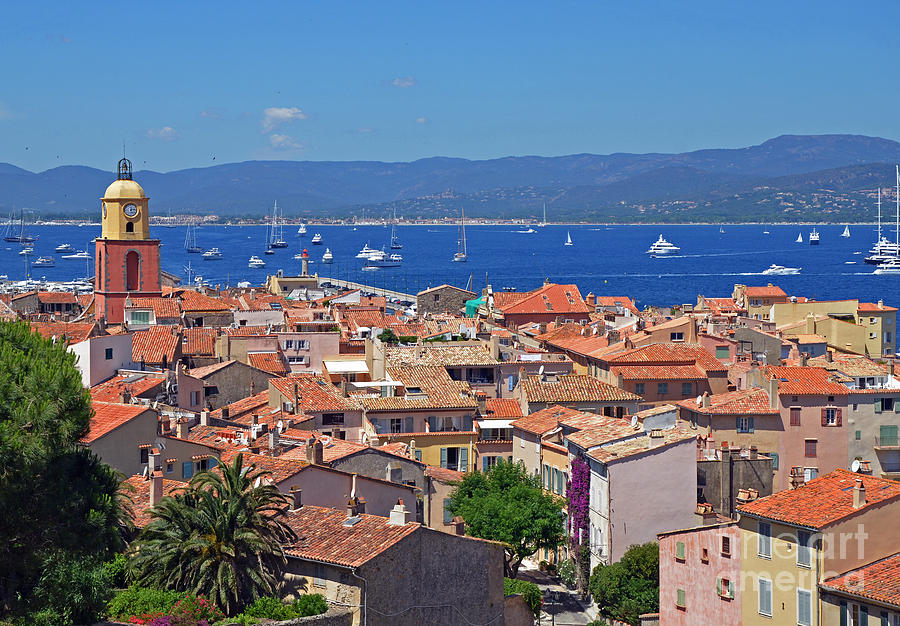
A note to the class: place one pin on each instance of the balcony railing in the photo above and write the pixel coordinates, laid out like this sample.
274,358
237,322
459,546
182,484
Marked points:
890,442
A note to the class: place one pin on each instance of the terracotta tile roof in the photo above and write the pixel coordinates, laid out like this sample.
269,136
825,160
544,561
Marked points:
552,298
446,286
244,406
152,344
262,302
599,429
57,297
823,500
753,401
807,338
723,305
879,581
315,394
578,344
196,302
443,355
623,301
108,416
271,362
443,474
769,291
323,536
639,445
74,332
199,341
804,381
872,307
503,408
138,489
852,365
426,387
163,308
659,372
669,354
136,384
243,331
573,388
544,420
212,368
279,467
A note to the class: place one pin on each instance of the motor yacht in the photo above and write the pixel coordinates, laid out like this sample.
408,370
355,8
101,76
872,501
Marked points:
213,254
317,239
302,230
255,262
662,247
64,248
781,270
366,252
889,267
26,251
814,237
44,261
327,257
81,254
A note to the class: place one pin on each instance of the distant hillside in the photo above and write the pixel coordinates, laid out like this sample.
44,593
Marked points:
825,177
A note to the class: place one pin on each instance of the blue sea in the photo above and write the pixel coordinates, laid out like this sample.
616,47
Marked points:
606,260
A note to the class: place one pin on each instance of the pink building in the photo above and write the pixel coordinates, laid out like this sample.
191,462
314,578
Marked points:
699,576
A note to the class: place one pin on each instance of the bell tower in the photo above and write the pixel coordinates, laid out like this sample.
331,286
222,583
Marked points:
126,260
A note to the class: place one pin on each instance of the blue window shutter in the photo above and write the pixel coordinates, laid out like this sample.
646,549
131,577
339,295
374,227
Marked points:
213,461
863,614
774,456
443,457
737,424
187,469
509,383
884,618
408,425
484,463
464,459
418,455
751,424
447,515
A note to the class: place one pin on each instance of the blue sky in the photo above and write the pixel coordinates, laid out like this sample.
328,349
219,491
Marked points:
195,84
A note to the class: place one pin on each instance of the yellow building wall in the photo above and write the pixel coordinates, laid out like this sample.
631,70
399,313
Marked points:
883,322
430,445
557,460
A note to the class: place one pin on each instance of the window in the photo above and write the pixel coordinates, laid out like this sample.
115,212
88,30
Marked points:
437,297
289,344
132,271
764,540
455,458
722,352
887,404
809,473
745,424
804,607
145,455
687,389
418,455
676,336
487,462
810,448
662,388
337,419
195,398
679,551
765,597
109,354
187,469
546,477
140,317
871,320
704,555
170,467
726,546
318,575
888,435
679,599
857,435
803,552
448,516
639,388
725,588
829,417
396,425
795,416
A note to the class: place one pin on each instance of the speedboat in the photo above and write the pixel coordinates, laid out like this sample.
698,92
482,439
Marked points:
890,267
64,248
527,232
662,247
44,261
255,262
327,257
269,251
26,251
213,254
81,254
782,270
814,237
317,239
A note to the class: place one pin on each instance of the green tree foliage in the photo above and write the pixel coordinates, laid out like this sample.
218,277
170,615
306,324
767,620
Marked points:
507,505
630,587
272,608
530,592
56,498
142,600
221,537
388,336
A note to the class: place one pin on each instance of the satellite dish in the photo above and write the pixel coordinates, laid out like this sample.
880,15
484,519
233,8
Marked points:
280,426
855,465
156,404
699,400
541,371
146,471
634,421
257,482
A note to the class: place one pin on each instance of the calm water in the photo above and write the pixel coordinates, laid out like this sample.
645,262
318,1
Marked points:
605,260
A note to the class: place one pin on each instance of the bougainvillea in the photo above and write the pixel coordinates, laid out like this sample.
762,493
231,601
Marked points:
578,493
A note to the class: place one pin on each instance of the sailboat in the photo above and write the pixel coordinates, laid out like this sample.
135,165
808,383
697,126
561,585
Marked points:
461,255
190,240
22,237
884,249
846,232
568,239
544,221
395,242
800,238
277,232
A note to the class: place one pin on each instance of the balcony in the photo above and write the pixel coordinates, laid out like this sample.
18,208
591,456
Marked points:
890,442
890,471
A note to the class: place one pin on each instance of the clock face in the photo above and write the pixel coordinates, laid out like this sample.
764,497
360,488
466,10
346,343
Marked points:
130,210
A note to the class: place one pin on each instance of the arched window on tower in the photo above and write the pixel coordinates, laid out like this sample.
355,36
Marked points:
132,275
129,227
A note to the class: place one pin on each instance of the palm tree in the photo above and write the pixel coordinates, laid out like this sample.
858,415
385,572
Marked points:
221,537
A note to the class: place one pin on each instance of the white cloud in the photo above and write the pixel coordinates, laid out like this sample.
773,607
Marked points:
212,113
365,130
404,82
422,120
284,142
275,117
166,133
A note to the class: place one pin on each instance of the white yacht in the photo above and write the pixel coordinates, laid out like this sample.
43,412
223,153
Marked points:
662,247
44,261
781,270
327,257
846,232
213,254
26,251
302,230
255,262
527,232
889,267
317,239
814,237
462,253
884,249
384,260
366,252
81,254
64,248
568,239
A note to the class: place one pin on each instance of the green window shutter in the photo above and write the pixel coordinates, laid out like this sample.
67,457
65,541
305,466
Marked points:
418,455
737,424
447,515
888,435
213,461
444,457
679,550
546,477
464,459
731,589
751,424
187,469
896,405
878,405
843,613
774,456
680,600
719,586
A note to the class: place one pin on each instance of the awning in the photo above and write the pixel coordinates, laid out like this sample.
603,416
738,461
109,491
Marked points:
494,423
346,367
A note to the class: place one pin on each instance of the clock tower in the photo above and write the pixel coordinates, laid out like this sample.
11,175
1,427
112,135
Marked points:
126,260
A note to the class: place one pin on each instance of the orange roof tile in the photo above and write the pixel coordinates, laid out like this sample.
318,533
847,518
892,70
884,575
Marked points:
315,394
804,381
323,537
136,385
279,467
871,307
193,302
879,581
108,416
823,500
199,341
623,301
503,408
769,291
668,354
163,308
244,406
443,474
153,344
573,388
212,368
596,430
552,298
638,445
544,420
753,401
57,297
271,362
74,332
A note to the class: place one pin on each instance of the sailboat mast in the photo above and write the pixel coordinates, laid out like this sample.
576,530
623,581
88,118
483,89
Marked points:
462,214
897,233
879,212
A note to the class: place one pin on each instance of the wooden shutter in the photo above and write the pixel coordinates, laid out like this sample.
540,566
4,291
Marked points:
408,425
751,424
838,416
843,613
484,464
463,459
878,405
824,417
187,469
444,457
731,589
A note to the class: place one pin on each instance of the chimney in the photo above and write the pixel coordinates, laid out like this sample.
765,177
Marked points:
754,453
273,439
591,299
344,391
399,514
296,498
859,495
656,438
125,397
361,505
351,507
318,456
204,417
481,397
804,359
156,487
810,324
254,420
296,398
310,445
412,448
153,460
226,413
165,425
829,356
704,400
773,393
705,514
182,430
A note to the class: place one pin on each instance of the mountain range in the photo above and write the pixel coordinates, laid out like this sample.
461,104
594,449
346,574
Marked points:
788,178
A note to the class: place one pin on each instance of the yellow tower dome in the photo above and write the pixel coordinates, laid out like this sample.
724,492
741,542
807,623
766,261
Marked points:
125,208
124,189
